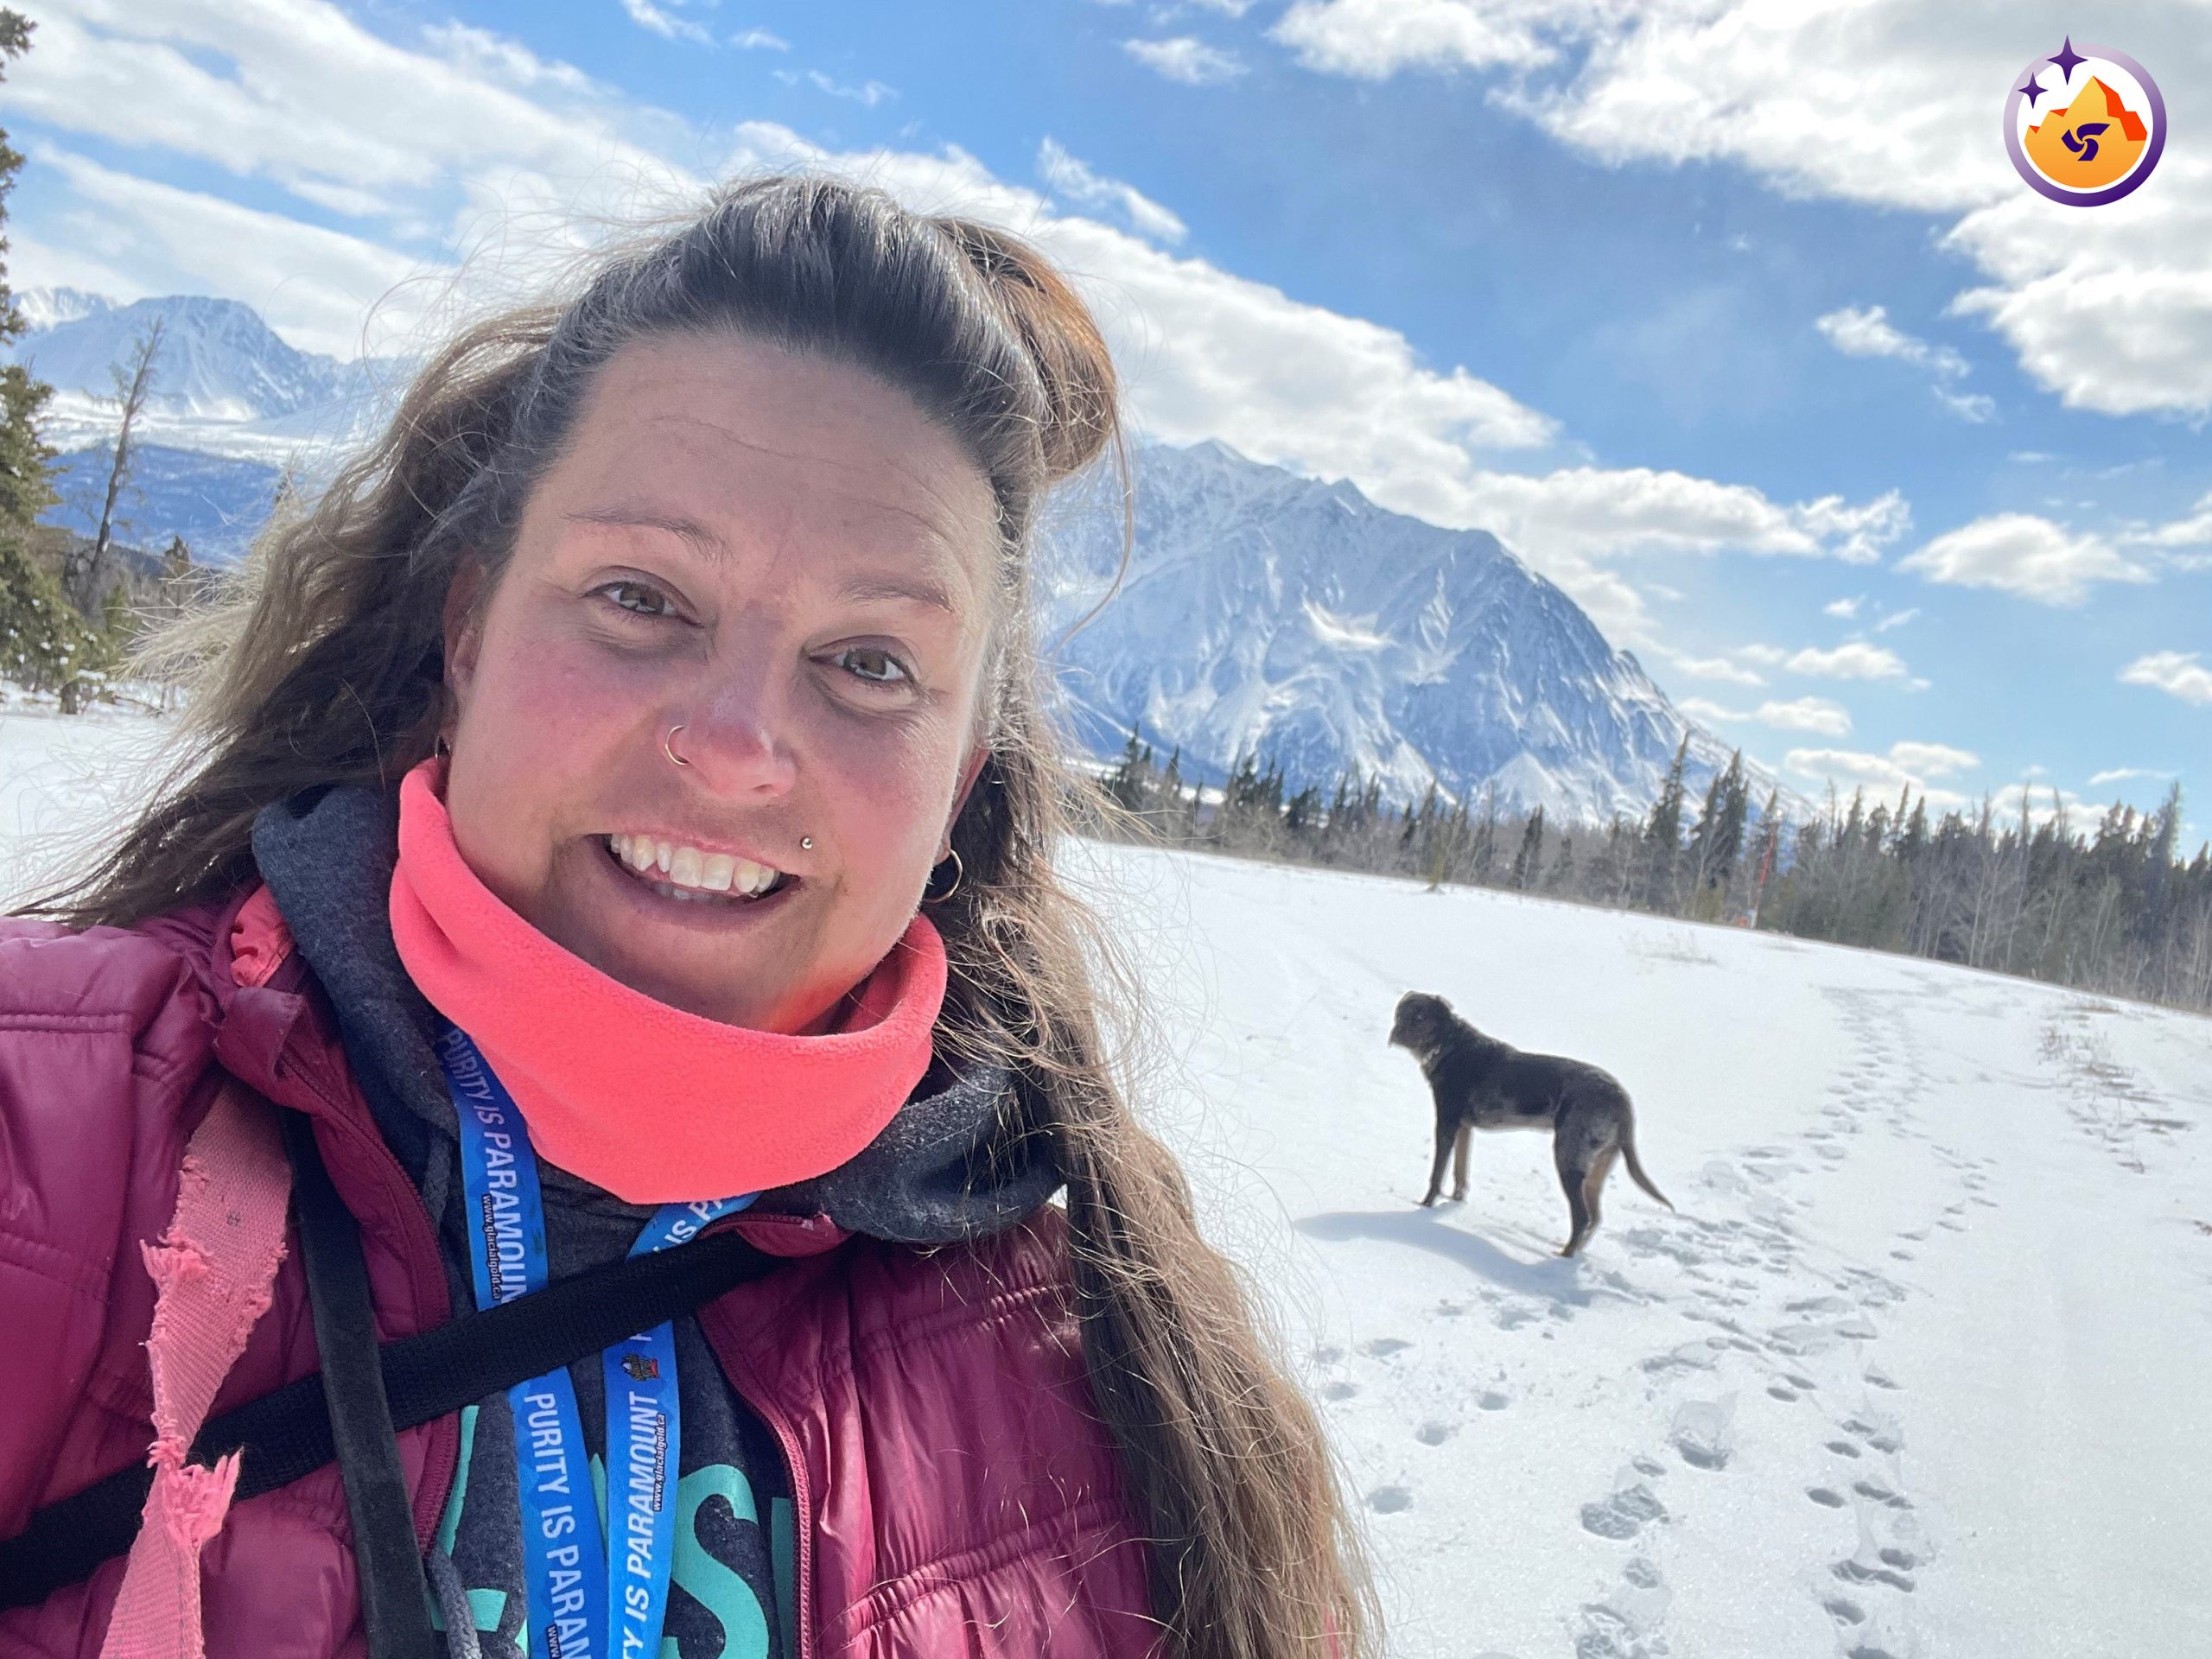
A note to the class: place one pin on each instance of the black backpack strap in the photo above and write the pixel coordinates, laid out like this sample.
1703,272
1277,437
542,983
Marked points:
289,1433
395,1594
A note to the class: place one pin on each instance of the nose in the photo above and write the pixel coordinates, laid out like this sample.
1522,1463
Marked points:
737,735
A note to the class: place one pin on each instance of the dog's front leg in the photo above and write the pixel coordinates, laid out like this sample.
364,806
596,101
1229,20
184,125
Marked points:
1446,1132
1459,1162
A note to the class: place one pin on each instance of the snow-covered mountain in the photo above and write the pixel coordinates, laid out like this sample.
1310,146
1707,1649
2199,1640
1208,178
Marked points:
1261,610
219,364
232,408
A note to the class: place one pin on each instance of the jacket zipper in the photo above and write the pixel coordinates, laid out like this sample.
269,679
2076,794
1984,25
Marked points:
741,1383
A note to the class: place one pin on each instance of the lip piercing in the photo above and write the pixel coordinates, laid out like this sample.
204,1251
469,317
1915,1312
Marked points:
668,746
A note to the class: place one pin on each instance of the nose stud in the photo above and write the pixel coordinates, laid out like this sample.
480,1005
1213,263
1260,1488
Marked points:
668,746
806,843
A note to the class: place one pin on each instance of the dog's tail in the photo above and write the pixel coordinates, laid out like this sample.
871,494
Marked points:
1635,1168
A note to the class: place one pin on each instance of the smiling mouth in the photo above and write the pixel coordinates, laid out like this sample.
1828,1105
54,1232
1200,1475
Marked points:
691,876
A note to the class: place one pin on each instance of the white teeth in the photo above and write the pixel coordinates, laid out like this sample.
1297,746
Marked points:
692,874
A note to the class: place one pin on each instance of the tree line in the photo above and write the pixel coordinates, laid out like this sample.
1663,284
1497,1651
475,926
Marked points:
2111,908
71,604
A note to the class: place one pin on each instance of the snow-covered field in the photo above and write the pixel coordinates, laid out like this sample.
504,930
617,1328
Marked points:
1918,1370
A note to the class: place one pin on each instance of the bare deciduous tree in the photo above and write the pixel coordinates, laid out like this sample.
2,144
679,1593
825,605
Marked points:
84,568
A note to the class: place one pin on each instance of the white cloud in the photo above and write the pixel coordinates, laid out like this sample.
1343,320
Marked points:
1187,59
1072,180
1846,608
318,284
1896,619
297,92
1714,668
1866,331
1933,760
1905,766
1770,656
2115,318
759,39
647,15
1805,714
2195,531
1802,714
2176,673
2123,774
2020,553
1970,406
1853,660
1374,39
870,93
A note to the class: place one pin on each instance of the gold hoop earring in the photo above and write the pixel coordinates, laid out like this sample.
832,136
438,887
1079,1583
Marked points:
668,746
959,874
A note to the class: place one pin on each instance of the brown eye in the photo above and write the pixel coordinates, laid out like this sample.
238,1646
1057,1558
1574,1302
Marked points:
876,666
639,598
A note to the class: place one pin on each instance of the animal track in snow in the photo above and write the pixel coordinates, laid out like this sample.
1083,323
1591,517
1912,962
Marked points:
1435,1434
1383,1347
1390,1500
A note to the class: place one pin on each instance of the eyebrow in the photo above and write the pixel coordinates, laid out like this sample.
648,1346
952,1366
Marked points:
635,519
914,589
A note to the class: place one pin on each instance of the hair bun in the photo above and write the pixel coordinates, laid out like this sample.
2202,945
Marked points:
1061,337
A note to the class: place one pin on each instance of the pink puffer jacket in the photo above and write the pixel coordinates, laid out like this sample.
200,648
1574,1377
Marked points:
955,1494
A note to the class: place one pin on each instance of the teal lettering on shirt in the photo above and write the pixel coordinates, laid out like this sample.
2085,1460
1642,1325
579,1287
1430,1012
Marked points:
706,1580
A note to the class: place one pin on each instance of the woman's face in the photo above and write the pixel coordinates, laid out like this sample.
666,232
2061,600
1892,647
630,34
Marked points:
783,556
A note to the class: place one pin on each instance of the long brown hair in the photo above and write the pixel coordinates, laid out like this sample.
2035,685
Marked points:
323,665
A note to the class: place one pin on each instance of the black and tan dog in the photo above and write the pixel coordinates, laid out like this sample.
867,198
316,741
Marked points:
1481,1084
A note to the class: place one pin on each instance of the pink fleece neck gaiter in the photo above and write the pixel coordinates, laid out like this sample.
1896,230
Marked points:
656,1105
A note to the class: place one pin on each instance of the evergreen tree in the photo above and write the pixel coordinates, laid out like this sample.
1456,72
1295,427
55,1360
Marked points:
1662,835
1529,862
42,640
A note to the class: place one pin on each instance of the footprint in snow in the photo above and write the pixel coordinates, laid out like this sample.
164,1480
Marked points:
1389,1500
1491,1400
1435,1434
1704,1432
1825,1497
1383,1347
1339,1390
1627,1512
1874,1491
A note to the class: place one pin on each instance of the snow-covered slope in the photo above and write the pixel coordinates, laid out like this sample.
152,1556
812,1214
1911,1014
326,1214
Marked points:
1915,1372
1262,609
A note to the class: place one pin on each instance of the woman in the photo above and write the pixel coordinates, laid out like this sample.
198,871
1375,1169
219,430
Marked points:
633,771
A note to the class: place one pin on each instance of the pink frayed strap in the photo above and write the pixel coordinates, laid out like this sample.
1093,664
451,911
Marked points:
212,1274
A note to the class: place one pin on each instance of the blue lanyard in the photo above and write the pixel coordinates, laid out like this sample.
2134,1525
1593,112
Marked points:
569,1559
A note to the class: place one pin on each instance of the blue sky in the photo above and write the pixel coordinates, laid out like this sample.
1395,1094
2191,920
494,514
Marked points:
1731,318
